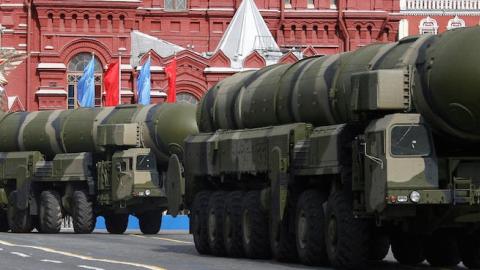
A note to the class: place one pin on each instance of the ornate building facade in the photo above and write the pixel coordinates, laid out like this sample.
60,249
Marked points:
436,16
60,36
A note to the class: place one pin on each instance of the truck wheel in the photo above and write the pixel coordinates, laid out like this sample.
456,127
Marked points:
379,246
3,221
310,228
346,237
83,216
255,233
199,222
441,249
116,223
50,212
470,251
150,222
19,221
407,248
215,211
232,228
283,243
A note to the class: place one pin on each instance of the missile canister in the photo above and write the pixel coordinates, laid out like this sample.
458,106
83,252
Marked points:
162,128
441,82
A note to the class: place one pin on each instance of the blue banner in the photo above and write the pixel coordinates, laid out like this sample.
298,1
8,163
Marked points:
179,223
143,84
86,86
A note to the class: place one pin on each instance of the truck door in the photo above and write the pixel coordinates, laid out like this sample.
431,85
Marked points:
122,176
375,176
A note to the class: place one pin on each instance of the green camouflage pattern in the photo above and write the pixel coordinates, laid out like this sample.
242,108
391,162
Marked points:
389,120
117,154
319,90
160,127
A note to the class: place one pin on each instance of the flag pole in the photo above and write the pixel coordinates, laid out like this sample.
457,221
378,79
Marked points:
94,95
119,78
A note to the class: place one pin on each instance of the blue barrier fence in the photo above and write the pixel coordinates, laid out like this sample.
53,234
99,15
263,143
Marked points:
168,223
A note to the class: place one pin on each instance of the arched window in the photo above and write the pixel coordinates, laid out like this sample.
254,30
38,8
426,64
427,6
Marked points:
428,26
186,98
175,5
74,73
456,22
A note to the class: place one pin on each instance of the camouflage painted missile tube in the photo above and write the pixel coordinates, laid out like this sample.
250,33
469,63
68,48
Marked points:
318,90
69,131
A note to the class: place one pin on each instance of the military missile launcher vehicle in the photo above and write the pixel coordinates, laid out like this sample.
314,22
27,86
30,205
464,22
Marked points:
86,163
334,159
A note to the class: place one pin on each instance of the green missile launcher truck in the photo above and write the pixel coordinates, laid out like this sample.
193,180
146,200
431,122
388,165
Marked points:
86,163
334,159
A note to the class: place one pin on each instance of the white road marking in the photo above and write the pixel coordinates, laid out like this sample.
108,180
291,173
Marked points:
90,267
82,257
23,255
51,261
162,238
1,249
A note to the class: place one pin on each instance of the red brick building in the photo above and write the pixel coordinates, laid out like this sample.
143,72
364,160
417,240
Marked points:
59,37
436,16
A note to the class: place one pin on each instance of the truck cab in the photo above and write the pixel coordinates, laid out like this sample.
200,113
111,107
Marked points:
400,169
135,174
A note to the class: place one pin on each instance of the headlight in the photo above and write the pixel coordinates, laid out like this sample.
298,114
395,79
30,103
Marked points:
415,196
147,192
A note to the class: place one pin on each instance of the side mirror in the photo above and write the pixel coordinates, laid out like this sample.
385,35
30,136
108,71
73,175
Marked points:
118,166
372,158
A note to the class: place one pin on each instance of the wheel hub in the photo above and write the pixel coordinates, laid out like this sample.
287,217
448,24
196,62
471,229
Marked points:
332,234
246,227
302,230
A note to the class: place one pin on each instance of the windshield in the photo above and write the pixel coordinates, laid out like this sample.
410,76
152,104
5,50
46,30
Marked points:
410,141
145,162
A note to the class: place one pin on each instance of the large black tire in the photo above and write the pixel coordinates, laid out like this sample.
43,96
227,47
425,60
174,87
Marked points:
441,249
50,212
470,250
255,232
379,246
150,221
19,221
282,240
116,223
215,211
3,221
232,227
407,248
199,222
83,216
310,228
346,237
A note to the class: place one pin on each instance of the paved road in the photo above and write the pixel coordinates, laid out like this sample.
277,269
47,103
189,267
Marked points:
102,251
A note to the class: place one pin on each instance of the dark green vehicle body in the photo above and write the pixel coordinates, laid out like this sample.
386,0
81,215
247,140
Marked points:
116,157
382,141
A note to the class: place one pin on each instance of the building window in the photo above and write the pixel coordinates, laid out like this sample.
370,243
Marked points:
455,23
428,26
333,4
288,3
175,5
186,98
75,72
310,4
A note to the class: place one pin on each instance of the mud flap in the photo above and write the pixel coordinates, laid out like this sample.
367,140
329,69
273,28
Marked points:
23,188
175,185
279,187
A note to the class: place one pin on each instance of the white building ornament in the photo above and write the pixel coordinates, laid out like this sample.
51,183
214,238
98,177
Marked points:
440,7
456,22
428,26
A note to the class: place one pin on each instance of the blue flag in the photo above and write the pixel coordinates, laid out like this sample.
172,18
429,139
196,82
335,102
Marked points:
143,84
86,86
